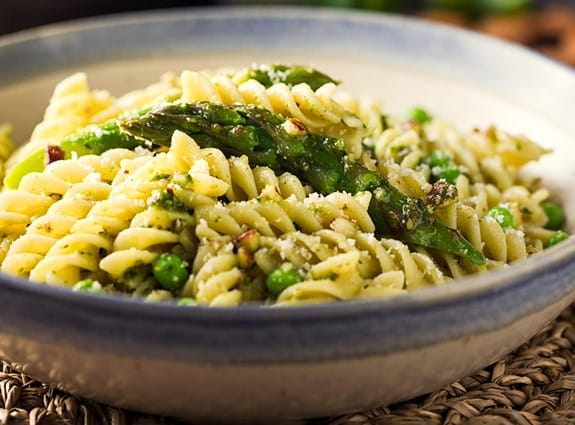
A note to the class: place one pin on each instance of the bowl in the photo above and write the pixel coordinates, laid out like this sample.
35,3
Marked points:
253,364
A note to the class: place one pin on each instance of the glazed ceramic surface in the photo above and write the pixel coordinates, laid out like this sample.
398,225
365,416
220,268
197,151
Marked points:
251,364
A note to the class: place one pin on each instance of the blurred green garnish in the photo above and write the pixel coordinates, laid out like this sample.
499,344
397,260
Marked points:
476,8
556,238
418,115
442,166
88,285
555,216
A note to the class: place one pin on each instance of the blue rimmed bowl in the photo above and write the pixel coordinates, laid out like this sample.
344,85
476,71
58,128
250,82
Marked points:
251,364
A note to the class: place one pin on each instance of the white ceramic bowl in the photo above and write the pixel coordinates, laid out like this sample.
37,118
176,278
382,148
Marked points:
252,364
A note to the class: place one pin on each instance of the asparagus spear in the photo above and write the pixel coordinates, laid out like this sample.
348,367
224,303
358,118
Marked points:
98,139
320,161
269,75
92,140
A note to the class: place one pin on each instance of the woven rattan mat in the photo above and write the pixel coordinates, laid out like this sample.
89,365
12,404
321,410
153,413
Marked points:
533,385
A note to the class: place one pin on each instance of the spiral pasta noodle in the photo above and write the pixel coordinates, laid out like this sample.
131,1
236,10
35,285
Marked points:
50,229
317,110
273,217
37,192
488,180
71,107
167,88
375,257
499,244
357,264
134,245
55,224
216,275
6,146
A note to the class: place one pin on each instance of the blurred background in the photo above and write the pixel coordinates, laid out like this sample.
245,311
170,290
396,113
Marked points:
546,25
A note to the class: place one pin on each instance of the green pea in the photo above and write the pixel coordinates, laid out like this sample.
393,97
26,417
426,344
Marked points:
504,217
170,271
442,166
279,279
449,174
186,301
418,115
88,285
555,216
556,238
438,159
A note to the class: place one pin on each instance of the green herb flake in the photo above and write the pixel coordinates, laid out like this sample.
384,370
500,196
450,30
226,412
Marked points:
160,177
442,166
419,115
89,286
556,238
555,216
166,200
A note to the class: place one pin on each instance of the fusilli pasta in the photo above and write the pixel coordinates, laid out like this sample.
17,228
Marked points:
199,221
317,110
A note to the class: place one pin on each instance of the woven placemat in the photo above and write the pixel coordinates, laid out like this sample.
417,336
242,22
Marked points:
535,385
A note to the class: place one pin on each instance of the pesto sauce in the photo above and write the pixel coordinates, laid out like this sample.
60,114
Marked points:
166,200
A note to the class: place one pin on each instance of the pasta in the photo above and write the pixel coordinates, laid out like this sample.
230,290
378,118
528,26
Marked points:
204,212
317,110
6,146
76,203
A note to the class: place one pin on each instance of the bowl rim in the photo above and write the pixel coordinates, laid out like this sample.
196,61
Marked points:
468,287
